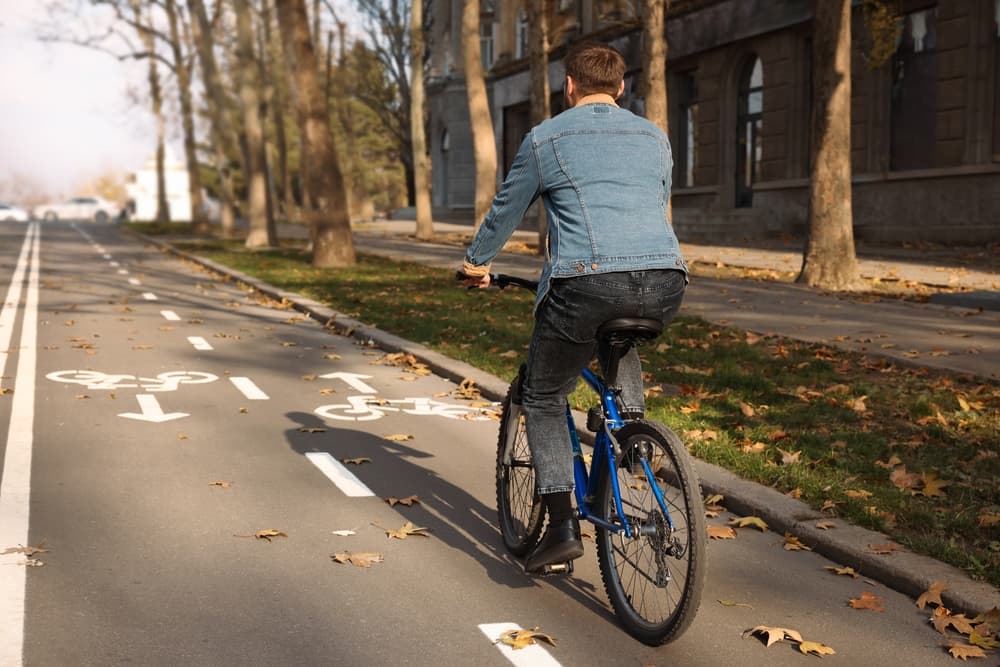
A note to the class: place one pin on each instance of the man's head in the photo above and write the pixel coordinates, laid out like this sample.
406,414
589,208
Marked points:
593,67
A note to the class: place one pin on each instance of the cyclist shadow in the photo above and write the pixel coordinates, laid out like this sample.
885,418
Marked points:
454,516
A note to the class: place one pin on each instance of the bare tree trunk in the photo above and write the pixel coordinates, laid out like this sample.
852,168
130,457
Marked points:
829,261
260,234
328,216
284,179
421,165
156,95
541,107
222,130
654,68
484,145
199,221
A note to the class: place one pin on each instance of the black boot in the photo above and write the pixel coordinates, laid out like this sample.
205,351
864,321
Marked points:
560,544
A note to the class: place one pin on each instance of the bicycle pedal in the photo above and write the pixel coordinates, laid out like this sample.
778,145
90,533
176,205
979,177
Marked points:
554,569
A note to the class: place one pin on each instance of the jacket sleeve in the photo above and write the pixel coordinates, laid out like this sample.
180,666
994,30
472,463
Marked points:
521,187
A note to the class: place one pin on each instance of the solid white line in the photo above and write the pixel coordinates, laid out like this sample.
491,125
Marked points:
15,485
339,475
9,312
149,296
249,389
532,655
199,343
134,281
170,315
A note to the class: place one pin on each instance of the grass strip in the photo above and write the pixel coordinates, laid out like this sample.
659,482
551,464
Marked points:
911,453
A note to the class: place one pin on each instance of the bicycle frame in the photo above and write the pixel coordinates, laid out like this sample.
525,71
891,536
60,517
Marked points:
605,454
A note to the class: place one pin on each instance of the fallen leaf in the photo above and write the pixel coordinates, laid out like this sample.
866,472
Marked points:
332,356
774,635
825,525
721,533
815,648
884,549
358,460
405,531
733,603
747,409
311,429
788,458
988,519
943,618
932,485
399,437
359,559
27,551
868,600
268,533
964,651
983,641
224,485
752,521
846,571
519,638
310,377
932,595
408,500
793,543
903,480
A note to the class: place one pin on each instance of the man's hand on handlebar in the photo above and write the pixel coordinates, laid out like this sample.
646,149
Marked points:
481,282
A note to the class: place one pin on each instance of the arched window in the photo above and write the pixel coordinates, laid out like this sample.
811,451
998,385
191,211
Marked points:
749,120
521,48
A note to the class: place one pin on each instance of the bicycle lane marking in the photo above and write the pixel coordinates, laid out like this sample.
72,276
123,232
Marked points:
249,389
15,485
170,315
337,473
199,343
9,312
532,655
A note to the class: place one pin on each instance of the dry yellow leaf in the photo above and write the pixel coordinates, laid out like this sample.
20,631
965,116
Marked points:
359,559
408,500
964,651
825,525
224,485
988,519
27,551
311,429
856,493
932,485
943,618
519,638
358,460
815,648
793,543
932,595
788,458
399,437
310,377
867,600
845,571
405,531
747,409
884,549
773,635
268,533
751,521
721,533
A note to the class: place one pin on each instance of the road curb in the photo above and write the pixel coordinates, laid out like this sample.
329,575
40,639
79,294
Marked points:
850,545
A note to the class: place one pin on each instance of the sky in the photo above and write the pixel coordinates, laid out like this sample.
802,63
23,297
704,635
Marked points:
65,113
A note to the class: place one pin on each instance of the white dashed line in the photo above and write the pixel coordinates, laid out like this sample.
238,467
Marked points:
170,315
248,388
199,343
149,296
134,281
532,655
339,475
114,264
107,255
123,272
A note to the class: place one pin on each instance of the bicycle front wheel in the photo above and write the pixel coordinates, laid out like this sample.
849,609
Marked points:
519,506
653,579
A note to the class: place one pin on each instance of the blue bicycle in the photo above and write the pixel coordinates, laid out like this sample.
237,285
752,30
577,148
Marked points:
641,492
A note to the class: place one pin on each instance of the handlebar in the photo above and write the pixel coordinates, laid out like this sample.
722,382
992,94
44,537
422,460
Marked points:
502,280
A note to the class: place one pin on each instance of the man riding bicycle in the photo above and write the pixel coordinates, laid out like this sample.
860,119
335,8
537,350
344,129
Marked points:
603,174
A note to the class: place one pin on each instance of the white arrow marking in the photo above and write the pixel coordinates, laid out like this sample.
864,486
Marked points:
353,379
151,411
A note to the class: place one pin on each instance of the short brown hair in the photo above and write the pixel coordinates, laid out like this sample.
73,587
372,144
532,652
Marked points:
595,67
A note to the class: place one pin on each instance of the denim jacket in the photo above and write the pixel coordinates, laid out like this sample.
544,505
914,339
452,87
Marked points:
604,177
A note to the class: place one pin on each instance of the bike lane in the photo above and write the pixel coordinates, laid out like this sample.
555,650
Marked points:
144,561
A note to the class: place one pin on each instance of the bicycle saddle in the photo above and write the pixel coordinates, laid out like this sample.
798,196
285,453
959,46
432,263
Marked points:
629,330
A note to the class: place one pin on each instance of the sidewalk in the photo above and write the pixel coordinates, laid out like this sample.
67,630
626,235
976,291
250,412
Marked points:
946,338
960,338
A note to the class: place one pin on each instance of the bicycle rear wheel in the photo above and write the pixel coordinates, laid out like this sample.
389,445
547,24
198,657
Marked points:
653,579
519,507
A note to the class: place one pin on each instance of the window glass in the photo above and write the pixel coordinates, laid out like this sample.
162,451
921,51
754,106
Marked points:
686,153
486,43
913,96
521,48
749,122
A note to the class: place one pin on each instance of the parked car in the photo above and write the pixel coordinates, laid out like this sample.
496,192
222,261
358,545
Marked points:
78,208
11,213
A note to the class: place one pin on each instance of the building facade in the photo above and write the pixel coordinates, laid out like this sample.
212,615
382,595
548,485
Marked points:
925,123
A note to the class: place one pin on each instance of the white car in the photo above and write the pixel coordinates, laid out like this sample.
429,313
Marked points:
78,208
11,213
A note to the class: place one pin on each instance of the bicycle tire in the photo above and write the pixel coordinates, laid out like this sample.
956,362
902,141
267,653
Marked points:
654,606
519,507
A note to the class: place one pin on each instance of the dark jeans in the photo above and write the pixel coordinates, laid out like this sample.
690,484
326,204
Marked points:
564,342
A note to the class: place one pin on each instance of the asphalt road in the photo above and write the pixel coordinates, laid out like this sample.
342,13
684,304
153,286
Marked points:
140,383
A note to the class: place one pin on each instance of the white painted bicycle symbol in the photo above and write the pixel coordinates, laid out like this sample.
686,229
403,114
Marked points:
96,380
369,408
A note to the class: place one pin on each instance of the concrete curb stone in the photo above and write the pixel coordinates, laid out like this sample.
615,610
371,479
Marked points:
850,545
